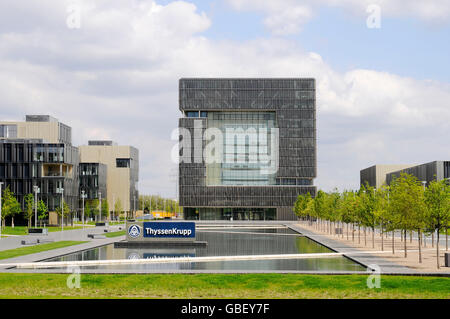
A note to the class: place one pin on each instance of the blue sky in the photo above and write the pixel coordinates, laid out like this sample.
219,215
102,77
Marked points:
403,45
383,95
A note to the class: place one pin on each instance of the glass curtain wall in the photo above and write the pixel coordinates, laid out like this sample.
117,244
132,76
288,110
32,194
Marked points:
246,141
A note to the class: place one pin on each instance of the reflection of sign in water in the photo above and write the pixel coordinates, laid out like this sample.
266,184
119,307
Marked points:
169,229
154,255
134,231
134,256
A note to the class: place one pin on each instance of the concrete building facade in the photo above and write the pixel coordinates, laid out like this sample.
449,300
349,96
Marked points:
436,170
237,187
375,175
122,171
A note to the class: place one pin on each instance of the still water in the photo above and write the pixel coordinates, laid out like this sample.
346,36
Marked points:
227,242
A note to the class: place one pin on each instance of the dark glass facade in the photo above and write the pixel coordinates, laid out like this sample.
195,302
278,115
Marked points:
217,191
26,163
93,180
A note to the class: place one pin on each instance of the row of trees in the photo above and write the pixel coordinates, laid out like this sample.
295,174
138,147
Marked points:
149,203
405,205
11,207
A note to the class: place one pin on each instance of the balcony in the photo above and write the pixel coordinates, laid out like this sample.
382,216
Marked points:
57,170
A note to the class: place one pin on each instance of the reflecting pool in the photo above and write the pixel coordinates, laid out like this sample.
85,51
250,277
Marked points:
227,241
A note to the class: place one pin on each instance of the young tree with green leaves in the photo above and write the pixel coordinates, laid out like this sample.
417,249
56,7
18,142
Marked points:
407,201
381,210
368,216
118,207
437,199
29,205
301,204
42,211
65,212
94,203
10,206
105,209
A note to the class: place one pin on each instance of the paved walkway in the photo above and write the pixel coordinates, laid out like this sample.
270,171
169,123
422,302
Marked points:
388,262
75,235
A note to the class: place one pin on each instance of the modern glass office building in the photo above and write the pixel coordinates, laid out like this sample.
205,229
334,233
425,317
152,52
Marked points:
39,152
247,147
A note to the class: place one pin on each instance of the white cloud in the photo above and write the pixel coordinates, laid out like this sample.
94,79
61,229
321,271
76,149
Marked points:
284,17
117,77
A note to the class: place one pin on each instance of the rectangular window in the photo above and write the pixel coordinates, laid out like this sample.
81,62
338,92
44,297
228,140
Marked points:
2,170
8,131
122,162
192,114
203,114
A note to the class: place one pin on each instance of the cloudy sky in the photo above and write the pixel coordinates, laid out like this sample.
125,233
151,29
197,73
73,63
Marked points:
110,69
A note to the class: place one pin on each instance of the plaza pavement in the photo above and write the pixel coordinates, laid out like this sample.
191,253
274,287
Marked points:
73,235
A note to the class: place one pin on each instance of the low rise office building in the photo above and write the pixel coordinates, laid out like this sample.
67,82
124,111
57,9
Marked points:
378,175
38,152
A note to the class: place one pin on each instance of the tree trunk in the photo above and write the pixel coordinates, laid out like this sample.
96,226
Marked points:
382,237
353,232
373,237
432,239
359,234
410,236
347,231
437,249
12,221
446,238
365,237
406,253
424,240
420,250
393,243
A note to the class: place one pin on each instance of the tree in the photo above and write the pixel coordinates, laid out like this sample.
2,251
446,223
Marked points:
93,207
29,205
118,207
437,199
10,206
345,208
65,212
87,209
332,203
381,210
105,208
301,204
368,216
407,202
42,211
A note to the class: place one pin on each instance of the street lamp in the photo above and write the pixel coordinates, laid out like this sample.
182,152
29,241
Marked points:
83,196
100,210
1,183
36,191
61,191
424,183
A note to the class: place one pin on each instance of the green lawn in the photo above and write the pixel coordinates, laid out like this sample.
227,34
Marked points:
11,253
23,230
115,234
239,286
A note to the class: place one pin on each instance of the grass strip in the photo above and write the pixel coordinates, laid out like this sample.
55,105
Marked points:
115,234
23,230
240,286
16,252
